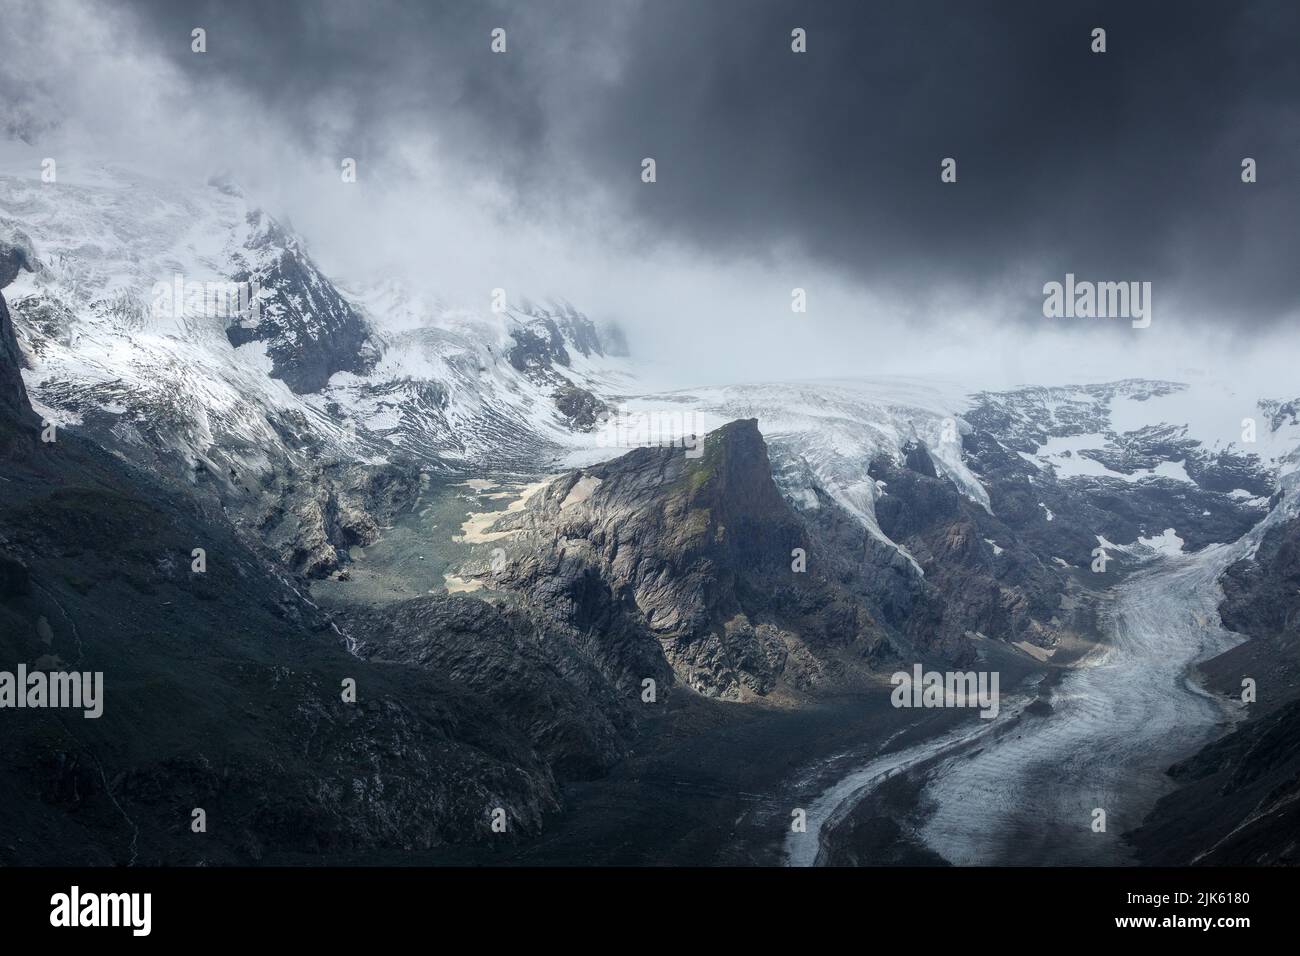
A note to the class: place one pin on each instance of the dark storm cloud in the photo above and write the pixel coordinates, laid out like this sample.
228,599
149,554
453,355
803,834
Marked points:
347,76
1124,165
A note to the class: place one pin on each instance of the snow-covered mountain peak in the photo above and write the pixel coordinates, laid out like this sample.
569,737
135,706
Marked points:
190,318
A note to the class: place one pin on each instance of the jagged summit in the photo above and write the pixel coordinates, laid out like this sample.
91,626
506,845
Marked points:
203,337
308,329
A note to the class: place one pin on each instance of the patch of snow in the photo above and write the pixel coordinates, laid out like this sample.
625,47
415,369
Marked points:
1067,457
1177,470
1246,497
1167,542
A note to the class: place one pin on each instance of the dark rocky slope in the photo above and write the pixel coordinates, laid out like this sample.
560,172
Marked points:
1239,800
223,690
310,331
991,580
571,714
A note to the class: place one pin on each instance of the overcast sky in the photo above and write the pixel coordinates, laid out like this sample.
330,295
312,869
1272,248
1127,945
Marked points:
775,169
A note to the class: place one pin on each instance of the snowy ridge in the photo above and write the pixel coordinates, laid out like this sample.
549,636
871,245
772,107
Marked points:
359,375
445,387
1135,429
826,434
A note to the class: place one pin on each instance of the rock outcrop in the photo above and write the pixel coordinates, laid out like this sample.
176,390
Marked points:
990,580
15,255
702,559
309,330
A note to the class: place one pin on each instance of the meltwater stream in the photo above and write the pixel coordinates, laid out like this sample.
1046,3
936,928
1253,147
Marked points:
1024,793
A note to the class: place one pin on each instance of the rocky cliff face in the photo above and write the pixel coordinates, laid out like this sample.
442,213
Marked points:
14,405
990,580
310,331
705,561
543,338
